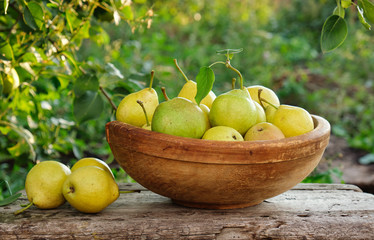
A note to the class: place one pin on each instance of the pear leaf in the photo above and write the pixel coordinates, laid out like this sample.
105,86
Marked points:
334,32
360,13
88,103
204,80
10,199
346,3
368,9
339,10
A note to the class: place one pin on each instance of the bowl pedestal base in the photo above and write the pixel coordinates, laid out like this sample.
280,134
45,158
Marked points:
215,206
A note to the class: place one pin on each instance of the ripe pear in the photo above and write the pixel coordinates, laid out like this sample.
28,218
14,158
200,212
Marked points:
269,113
130,112
180,117
234,109
222,133
11,81
267,94
44,184
292,120
189,91
90,189
91,161
263,131
261,116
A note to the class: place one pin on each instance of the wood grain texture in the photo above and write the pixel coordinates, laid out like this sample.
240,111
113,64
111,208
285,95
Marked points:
308,211
216,174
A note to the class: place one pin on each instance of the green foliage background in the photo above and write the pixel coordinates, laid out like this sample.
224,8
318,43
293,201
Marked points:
69,53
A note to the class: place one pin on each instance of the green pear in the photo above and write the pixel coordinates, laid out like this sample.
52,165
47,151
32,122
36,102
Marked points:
130,112
189,91
269,112
44,184
90,189
263,131
234,109
180,117
222,133
292,120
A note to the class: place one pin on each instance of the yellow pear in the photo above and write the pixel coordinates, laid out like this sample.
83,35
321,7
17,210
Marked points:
91,161
90,189
130,112
263,131
189,91
292,120
267,94
261,116
44,184
269,113
222,133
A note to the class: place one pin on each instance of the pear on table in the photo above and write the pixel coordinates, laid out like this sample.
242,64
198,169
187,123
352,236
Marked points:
130,112
44,183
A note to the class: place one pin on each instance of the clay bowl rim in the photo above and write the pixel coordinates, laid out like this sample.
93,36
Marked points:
312,140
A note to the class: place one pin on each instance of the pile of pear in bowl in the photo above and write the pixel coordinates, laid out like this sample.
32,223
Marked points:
230,151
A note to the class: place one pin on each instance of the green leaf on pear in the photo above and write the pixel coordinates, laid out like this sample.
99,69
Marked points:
204,80
333,34
360,13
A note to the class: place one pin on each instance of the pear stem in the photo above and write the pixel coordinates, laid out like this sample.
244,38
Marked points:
164,93
130,191
180,70
260,99
151,82
263,99
233,80
229,66
145,112
23,209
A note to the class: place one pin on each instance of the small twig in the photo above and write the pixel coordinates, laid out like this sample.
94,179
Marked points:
108,98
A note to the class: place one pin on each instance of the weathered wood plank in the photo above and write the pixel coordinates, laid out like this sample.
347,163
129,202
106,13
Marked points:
308,211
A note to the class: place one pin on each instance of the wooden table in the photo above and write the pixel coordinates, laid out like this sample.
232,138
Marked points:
308,211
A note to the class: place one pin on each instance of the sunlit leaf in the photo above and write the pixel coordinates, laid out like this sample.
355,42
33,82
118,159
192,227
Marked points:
73,21
71,59
6,51
333,34
368,9
360,13
346,3
37,13
127,12
204,79
6,5
1,85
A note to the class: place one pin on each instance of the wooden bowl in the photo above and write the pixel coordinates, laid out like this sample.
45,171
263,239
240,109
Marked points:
216,174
